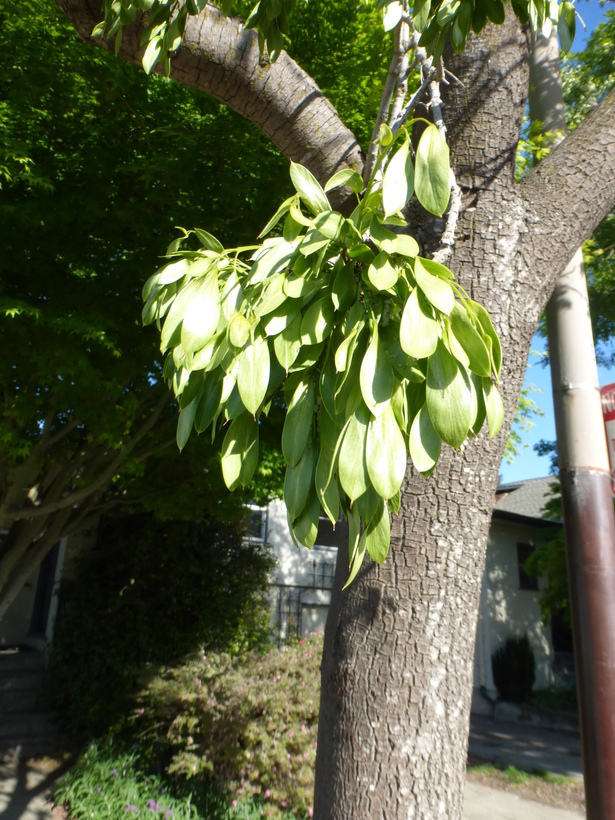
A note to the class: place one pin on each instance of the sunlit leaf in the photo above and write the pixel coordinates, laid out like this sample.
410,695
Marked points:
432,171
385,454
425,443
448,397
309,189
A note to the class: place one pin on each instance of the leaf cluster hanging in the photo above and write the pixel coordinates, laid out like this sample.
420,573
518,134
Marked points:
377,351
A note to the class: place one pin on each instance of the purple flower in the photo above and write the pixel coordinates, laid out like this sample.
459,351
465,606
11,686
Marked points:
153,806
169,814
113,772
130,808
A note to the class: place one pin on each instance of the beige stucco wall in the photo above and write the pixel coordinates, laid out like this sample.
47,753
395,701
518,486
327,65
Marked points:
511,611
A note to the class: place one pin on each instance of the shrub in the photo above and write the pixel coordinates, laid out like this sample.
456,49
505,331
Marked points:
514,669
247,724
148,594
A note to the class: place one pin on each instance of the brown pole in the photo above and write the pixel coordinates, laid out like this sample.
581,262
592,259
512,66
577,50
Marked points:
589,520
590,539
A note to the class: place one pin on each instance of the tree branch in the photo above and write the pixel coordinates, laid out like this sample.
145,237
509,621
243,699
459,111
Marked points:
571,191
219,56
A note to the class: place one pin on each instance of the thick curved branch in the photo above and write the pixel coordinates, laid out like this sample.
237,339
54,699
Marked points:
571,191
220,57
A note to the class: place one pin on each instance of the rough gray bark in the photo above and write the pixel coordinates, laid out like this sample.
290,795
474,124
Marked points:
218,56
397,663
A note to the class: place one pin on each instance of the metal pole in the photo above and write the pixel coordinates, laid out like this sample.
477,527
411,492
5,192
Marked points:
589,521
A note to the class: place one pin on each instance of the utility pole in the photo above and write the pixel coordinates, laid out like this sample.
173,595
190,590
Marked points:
589,521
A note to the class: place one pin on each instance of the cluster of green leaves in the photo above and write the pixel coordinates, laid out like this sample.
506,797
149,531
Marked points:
379,351
245,724
437,18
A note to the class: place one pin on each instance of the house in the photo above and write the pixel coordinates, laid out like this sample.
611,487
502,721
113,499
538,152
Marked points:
509,605
303,579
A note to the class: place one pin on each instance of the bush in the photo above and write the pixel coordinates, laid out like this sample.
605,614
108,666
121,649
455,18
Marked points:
514,669
147,595
247,724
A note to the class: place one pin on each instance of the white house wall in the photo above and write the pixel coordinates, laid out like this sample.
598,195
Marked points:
509,610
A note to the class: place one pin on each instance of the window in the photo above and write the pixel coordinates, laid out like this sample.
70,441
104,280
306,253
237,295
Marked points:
529,582
256,522
329,537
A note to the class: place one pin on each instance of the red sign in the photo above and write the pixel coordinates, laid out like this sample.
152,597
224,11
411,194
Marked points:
608,411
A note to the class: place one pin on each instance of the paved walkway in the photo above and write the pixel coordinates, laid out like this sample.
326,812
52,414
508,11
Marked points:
527,747
483,803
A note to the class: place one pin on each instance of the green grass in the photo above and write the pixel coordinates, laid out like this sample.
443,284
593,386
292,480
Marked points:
517,777
108,783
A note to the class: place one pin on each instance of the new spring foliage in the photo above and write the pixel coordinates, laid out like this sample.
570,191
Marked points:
376,352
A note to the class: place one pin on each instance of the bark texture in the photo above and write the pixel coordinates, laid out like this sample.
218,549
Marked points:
397,663
220,57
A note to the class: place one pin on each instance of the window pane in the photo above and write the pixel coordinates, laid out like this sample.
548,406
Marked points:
526,581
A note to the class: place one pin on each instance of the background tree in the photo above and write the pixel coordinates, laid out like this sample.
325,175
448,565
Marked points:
396,678
99,164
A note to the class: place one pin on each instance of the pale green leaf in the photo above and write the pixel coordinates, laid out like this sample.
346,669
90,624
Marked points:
398,181
471,341
432,171
317,321
209,241
202,314
378,535
437,291
352,469
418,331
425,443
298,481
376,376
287,344
309,189
494,407
253,374
238,330
184,423
240,451
381,273
305,527
282,210
385,454
357,560
448,397
347,177
298,421
391,14
326,489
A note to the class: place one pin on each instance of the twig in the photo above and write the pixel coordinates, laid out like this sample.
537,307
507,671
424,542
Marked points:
447,240
393,75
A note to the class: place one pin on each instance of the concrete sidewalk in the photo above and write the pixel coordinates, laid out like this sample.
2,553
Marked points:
525,746
483,803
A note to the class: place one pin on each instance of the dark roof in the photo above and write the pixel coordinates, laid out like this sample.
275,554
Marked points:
523,501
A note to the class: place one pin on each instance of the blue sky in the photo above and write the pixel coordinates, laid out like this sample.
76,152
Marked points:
529,464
